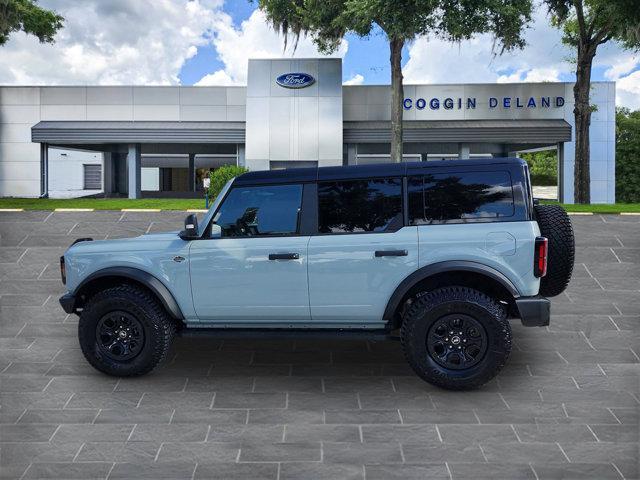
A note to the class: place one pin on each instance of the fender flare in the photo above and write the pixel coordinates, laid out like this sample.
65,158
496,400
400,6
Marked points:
441,267
152,283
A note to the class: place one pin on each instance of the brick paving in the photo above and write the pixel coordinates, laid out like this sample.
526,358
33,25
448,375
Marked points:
566,406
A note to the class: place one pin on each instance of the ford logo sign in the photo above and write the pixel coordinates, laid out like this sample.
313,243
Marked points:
295,80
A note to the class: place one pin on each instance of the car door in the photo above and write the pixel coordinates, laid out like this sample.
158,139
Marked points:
256,273
362,252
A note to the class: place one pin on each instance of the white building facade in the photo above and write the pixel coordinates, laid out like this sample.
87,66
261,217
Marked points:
162,141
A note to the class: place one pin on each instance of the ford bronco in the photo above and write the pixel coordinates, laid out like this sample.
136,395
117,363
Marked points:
442,254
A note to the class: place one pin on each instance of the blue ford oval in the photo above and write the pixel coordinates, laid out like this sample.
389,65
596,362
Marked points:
295,80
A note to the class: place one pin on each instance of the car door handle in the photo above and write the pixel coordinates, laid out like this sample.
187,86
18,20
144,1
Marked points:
284,256
391,253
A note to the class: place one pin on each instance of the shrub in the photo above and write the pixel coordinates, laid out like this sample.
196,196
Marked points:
543,167
220,176
627,156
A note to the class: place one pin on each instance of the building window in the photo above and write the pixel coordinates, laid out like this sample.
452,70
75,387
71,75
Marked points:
252,211
460,197
92,177
360,206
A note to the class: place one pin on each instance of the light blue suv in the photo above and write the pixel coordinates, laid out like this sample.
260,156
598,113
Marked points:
443,253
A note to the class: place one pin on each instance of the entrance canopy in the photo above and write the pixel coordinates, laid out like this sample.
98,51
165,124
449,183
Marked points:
87,132
495,131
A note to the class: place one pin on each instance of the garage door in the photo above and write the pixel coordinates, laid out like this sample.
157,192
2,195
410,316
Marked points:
92,177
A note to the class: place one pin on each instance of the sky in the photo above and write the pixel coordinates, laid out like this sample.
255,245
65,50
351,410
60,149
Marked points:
208,42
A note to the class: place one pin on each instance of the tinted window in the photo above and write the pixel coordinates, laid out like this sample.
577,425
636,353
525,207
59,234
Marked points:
360,205
249,211
459,197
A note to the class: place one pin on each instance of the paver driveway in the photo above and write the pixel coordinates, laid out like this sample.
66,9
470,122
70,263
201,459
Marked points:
566,406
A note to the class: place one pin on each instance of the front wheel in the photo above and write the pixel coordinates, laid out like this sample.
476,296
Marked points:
124,331
456,337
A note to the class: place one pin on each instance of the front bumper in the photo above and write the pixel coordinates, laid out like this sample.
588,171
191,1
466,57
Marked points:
534,311
68,302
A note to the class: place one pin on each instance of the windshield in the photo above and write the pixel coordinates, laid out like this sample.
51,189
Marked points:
214,206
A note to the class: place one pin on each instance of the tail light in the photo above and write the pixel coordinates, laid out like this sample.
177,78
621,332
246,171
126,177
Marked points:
540,257
63,271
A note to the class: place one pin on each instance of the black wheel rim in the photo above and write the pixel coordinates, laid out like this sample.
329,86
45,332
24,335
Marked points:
120,336
457,341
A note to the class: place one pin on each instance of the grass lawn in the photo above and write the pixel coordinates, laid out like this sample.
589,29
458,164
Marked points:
602,208
198,203
102,203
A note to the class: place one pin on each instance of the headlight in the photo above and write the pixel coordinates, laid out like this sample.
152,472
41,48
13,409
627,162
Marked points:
63,271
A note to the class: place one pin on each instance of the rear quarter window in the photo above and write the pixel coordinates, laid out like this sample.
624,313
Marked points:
460,197
359,206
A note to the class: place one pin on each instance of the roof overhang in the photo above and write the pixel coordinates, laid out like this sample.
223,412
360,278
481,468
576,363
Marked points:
79,133
473,131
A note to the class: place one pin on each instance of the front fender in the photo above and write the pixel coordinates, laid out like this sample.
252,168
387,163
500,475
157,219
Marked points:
158,288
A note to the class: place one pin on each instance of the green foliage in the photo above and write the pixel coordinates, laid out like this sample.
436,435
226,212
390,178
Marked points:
327,21
627,155
221,176
28,17
594,22
543,167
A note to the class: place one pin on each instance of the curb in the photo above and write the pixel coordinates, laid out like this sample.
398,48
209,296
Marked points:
73,209
140,210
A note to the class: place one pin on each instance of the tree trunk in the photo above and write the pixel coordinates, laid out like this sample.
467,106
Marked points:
582,114
397,97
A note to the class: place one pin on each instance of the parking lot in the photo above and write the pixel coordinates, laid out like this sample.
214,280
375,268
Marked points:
566,406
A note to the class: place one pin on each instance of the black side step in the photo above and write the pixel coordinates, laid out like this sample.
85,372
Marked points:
285,333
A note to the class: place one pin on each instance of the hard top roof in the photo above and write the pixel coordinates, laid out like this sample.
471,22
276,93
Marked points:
365,171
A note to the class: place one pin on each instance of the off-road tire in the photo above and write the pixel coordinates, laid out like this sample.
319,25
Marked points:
555,224
428,308
158,327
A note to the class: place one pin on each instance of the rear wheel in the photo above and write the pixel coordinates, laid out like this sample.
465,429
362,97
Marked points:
124,331
456,337
555,224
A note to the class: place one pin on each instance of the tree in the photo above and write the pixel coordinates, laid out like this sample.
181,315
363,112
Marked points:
328,21
627,155
587,24
28,17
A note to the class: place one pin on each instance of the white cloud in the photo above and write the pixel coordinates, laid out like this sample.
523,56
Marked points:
114,42
531,75
432,60
253,39
622,65
219,77
544,59
628,91
357,79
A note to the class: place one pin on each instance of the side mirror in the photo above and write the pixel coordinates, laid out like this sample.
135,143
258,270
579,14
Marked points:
190,228
216,231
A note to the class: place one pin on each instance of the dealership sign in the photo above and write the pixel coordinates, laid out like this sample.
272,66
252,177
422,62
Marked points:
295,80
469,103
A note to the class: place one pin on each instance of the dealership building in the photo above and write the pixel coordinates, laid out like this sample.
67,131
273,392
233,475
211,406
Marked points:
149,141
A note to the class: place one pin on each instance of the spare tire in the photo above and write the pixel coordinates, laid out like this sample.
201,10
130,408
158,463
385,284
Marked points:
555,224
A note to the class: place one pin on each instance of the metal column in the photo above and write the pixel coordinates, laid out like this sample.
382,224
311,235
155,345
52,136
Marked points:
561,175
44,170
192,172
133,170
240,155
464,150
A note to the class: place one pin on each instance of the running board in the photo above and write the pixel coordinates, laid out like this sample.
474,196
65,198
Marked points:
320,334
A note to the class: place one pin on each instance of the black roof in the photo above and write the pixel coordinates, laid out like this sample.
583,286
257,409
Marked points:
367,171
